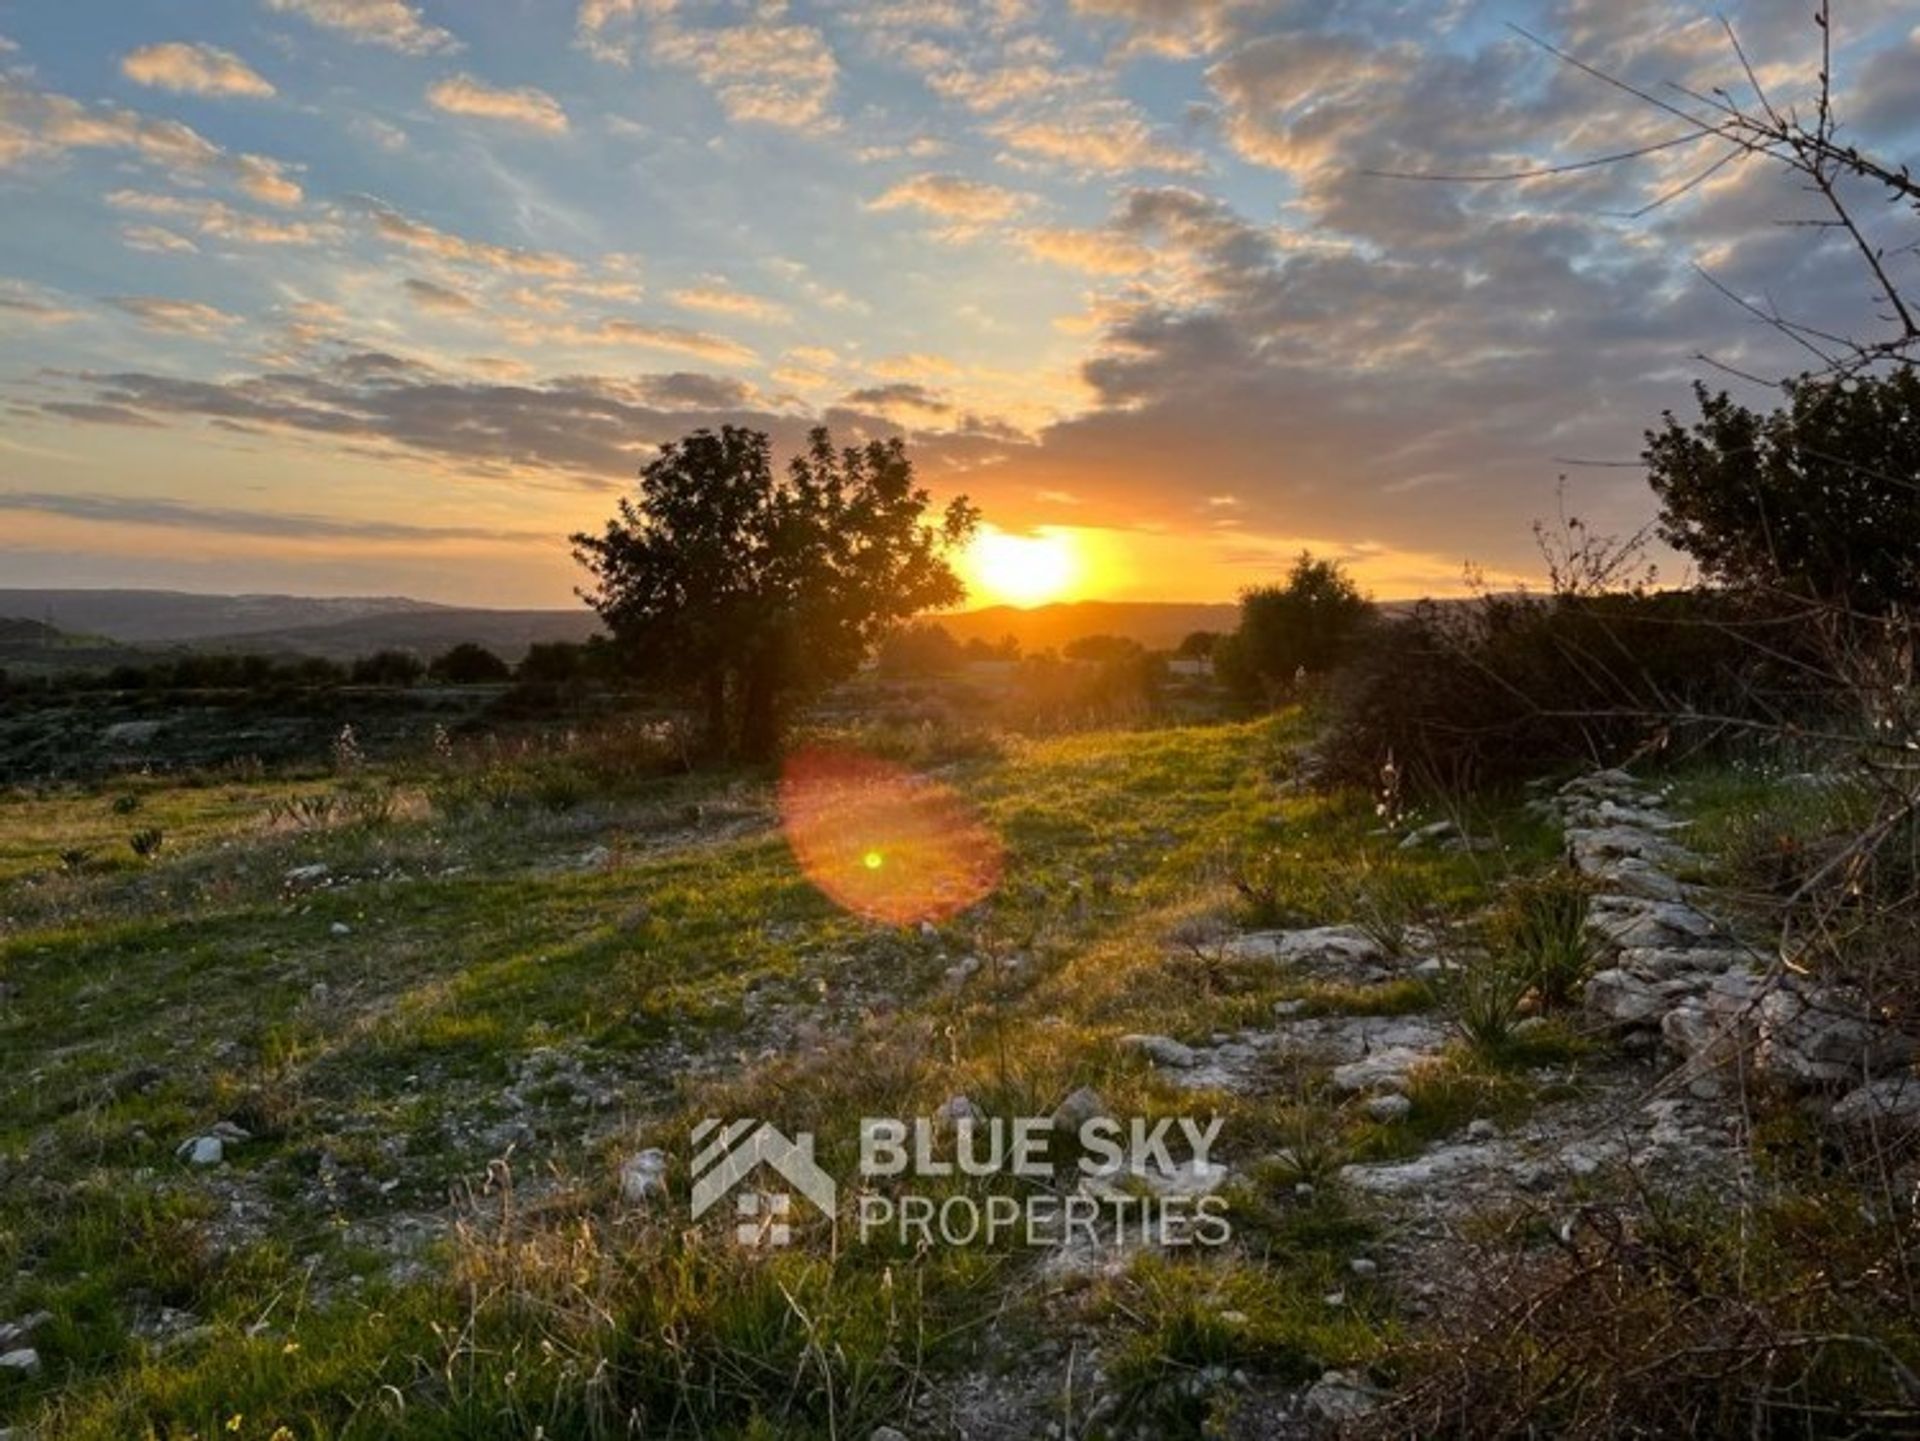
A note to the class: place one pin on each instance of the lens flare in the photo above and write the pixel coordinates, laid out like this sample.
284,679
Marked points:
886,844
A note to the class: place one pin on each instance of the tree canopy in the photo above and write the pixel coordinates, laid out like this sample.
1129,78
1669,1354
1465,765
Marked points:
1304,627
1821,496
749,588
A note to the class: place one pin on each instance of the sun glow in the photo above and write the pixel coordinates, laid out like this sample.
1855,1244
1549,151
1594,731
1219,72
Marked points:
1024,570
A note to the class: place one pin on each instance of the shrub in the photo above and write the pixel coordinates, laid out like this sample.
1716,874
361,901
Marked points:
1505,688
1541,924
1482,996
468,664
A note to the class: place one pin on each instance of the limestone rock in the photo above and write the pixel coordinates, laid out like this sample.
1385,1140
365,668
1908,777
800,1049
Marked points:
1083,1105
1890,1105
1388,1108
1161,1050
1622,998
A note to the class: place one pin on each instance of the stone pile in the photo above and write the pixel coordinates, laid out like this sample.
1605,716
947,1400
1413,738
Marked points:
1679,972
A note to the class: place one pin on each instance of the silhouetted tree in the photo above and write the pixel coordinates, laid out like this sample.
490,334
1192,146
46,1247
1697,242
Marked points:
388,667
748,588
1304,627
468,664
920,650
1820,497
553,662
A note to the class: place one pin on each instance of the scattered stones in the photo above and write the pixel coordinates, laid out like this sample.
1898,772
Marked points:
1341,1396
1161,1050
643,1176
311,875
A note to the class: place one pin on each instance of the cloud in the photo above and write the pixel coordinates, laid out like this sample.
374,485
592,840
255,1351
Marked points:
418,235
156,240
1099,252
1104,138
174,515
194,70
527,107
176,317
27,305
36,123
603,28
720,298
902,396
389,23
93,413
593,432
952,197
439,298
766,72
699,343
222,221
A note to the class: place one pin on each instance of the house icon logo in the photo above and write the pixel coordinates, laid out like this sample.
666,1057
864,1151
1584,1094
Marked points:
727,1153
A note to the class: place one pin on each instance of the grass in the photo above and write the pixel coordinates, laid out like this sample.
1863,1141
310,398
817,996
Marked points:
508,979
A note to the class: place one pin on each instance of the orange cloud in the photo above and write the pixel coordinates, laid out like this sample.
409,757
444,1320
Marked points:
194,70
526,106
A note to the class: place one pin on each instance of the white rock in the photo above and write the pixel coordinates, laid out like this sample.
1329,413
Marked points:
340,928
1341,944
643,1175
1623,999
1632,876
1361,1266
23,1362
1388,1108
1383,1070
1429,835
1161,1050
1443,1165
308,875
1892,1105
1083,1105
202,1151
1817,1036
887,1433
1657,962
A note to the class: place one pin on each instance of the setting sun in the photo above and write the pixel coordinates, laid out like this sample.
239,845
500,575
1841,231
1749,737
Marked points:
1006,569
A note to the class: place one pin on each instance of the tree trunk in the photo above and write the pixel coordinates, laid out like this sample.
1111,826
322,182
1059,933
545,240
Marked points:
715,741
760,712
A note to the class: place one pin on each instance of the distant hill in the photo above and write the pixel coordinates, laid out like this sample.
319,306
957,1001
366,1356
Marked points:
1155,624
427,633
163,616
341,628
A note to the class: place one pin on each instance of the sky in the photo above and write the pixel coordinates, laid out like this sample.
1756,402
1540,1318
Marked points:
389,296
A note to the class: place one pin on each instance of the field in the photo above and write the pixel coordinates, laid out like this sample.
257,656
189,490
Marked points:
452,1020
442,1046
